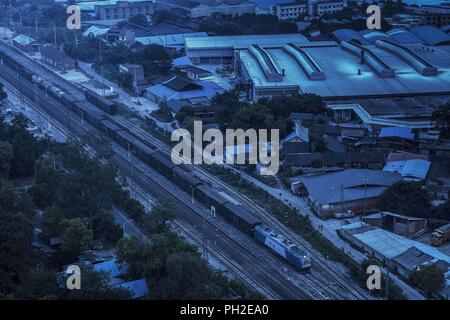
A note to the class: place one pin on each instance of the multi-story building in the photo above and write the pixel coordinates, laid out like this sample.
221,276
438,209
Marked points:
206,8
123,9
434,15
298,9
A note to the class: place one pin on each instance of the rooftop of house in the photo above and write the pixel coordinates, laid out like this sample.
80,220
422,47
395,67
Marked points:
348,185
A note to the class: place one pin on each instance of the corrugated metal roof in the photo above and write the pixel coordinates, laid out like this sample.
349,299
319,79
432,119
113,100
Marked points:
170,40
431,35
396,132
415,169
390,244
348,185
349,35
403,36
373,35
23,40
207,89
95,31
138,288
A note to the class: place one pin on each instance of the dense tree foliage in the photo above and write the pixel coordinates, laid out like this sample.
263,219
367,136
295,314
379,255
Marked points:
173,267
406,198
248,24
16,231
26,149
428,278
263,114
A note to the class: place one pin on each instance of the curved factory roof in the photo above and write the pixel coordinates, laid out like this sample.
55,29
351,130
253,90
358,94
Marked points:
349,35
432,36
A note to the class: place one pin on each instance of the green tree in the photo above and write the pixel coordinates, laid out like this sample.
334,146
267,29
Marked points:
39,283
158,220
52,222
406,198
16,233
428,278
6,155
76,237
187,277
48,179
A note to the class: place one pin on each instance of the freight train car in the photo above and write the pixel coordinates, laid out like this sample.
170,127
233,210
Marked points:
87,111
110,128
282,247
162,164
213,200
100,101
240,217
186,180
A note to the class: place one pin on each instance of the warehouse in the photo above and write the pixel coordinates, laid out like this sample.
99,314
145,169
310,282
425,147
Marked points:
398,253
288,64
352,189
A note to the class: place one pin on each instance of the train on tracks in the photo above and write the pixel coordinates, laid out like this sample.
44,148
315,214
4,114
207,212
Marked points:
97,110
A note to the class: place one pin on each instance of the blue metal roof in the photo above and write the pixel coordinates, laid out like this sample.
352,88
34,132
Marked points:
396,132
403,36
113,268
373,35
138,288
415,169
348,35
208,90
432,36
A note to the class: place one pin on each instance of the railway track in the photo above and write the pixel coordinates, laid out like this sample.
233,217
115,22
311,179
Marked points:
317,260
284,288
321,280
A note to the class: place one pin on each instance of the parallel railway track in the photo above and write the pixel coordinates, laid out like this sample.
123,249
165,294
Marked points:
320,279
274,285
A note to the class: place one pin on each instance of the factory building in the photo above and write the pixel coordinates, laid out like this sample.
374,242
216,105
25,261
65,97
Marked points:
123,9
352,189
207,8
400,254
403,63
297,9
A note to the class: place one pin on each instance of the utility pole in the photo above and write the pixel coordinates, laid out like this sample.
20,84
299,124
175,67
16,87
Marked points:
20,19
205,237
54,32
20,91
36,29
386,292
365,196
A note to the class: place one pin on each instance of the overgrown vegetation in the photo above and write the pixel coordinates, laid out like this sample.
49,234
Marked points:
173,267
406,198
429,278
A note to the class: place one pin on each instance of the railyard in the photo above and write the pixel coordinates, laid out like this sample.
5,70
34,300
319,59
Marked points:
319,279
